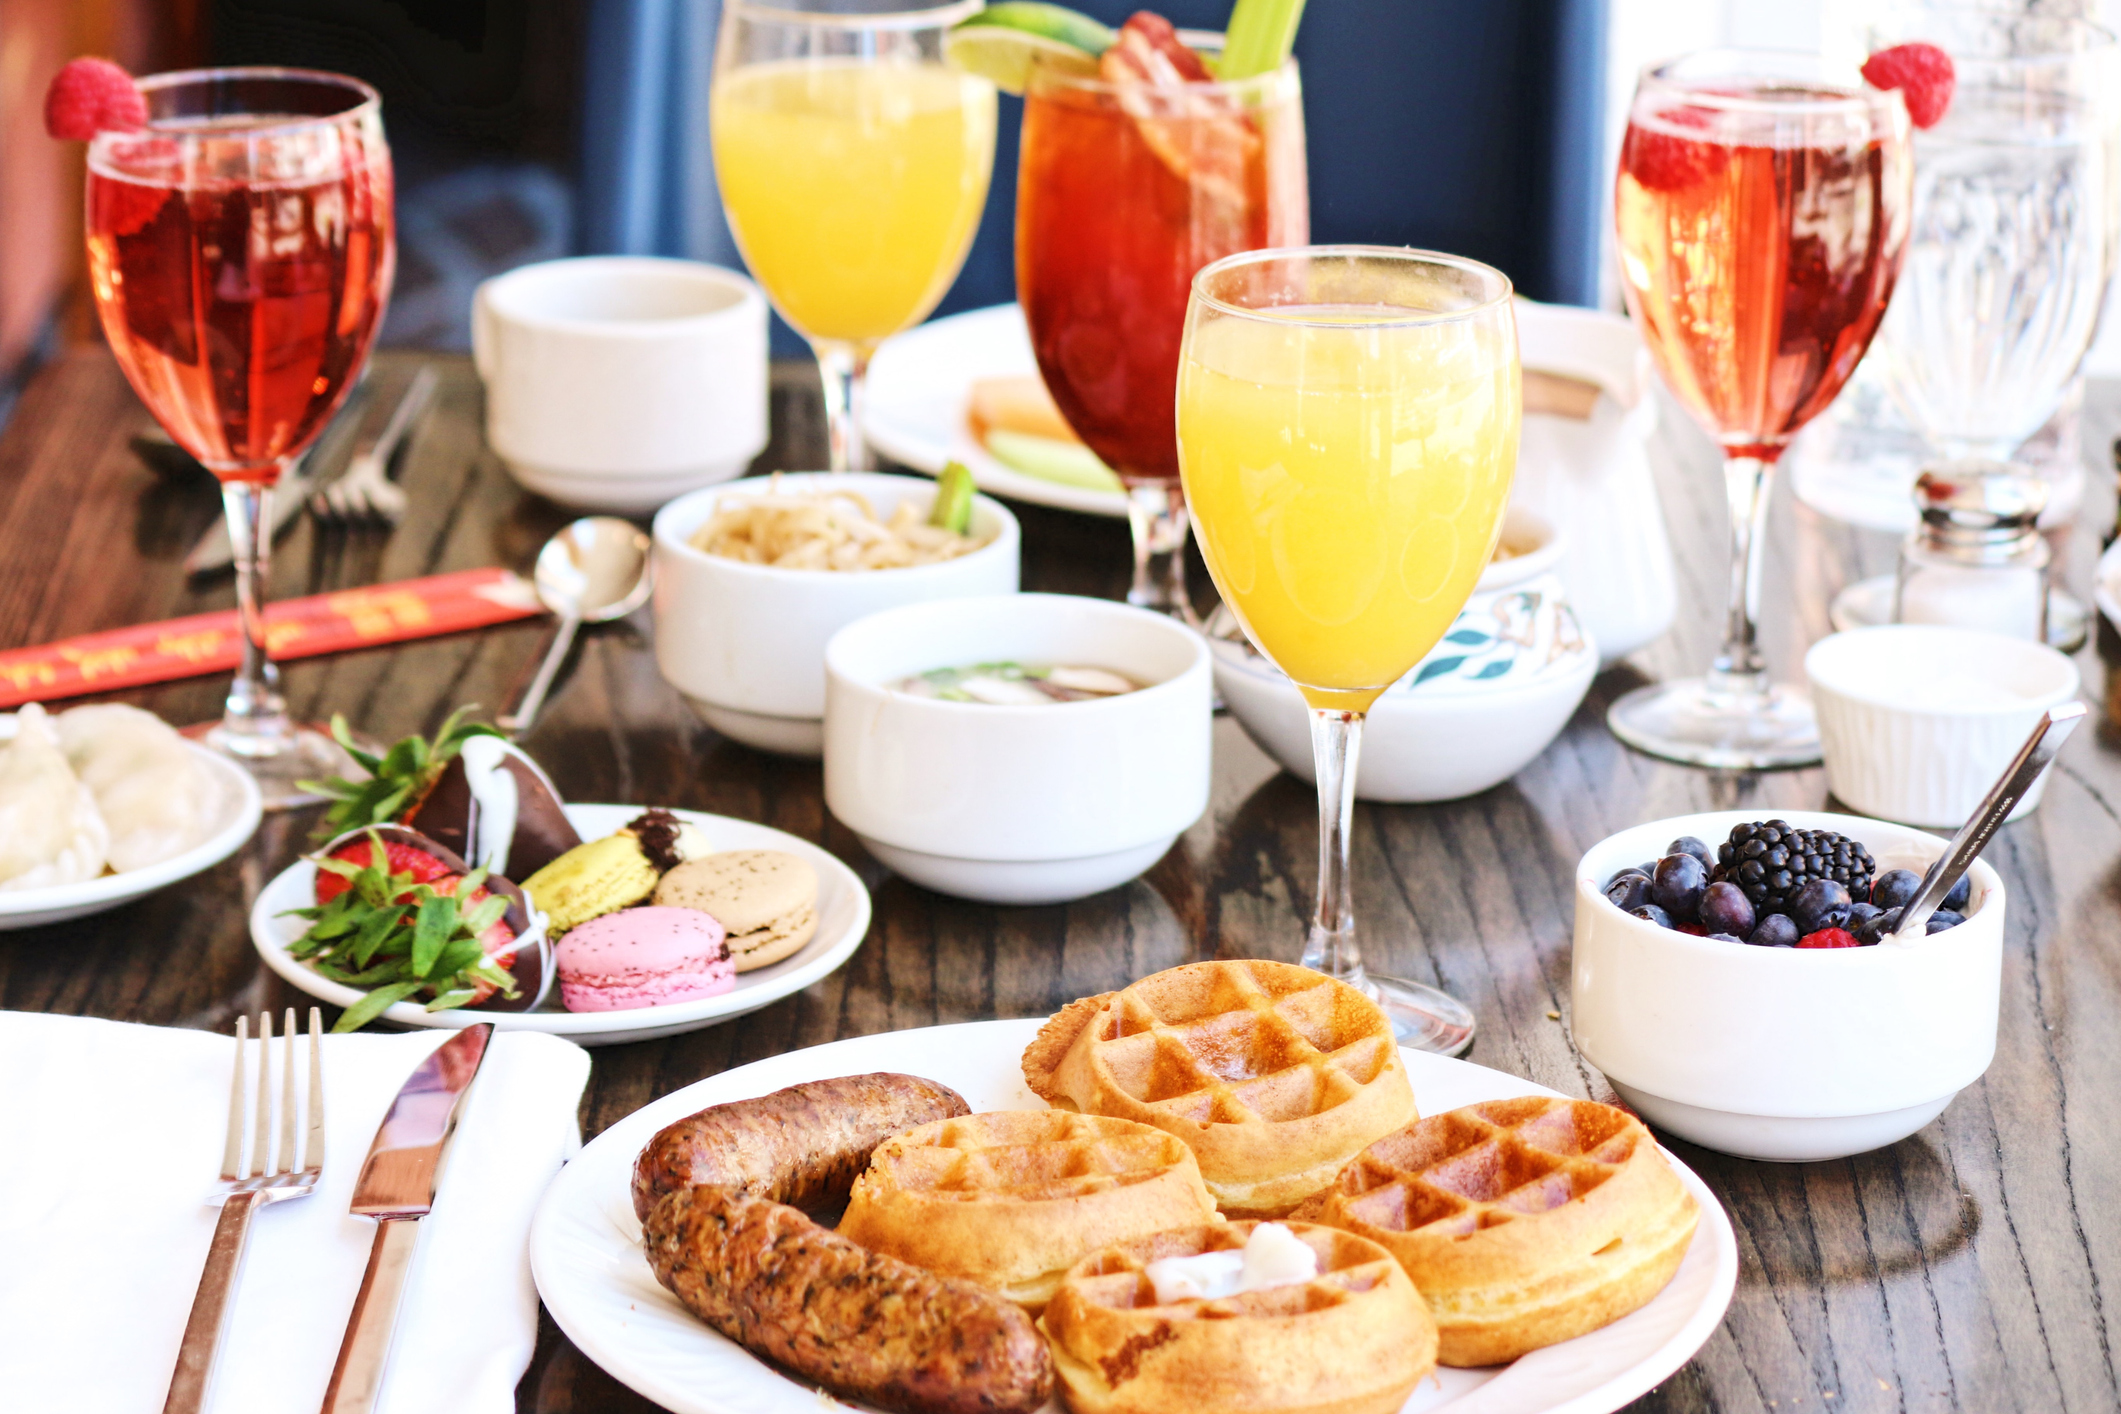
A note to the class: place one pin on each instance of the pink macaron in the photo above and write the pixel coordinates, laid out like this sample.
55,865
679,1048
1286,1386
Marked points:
641,957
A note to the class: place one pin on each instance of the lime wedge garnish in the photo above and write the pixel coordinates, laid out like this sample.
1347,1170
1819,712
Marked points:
1003,41
1049,459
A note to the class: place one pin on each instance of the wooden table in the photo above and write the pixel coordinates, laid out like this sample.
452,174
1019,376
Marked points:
1974,1266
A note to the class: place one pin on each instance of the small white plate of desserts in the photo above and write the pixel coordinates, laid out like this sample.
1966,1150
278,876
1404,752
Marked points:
956,388
1509,1251
103,804
602,923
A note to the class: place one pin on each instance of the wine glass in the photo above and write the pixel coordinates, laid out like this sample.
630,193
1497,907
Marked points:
853,166
1762,210
1124,191
2008,258
1347,431
240,252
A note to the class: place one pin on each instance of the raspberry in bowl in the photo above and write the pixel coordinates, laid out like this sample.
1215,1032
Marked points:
1787,1043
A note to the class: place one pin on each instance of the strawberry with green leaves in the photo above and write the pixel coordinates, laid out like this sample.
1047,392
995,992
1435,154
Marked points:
411,925
397,781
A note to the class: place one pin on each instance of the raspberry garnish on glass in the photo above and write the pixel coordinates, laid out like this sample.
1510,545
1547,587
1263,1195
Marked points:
1924,75
90,96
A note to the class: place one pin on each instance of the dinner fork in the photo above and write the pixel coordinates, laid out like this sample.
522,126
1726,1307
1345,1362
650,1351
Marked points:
366,495
241,1193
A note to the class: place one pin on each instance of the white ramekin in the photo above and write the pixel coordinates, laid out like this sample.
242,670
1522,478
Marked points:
745,643
1017,804
1897,746
1783,1053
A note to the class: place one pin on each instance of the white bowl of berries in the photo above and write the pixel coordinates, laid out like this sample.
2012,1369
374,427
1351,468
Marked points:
1735,979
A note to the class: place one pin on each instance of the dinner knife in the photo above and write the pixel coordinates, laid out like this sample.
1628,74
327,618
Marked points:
397,1189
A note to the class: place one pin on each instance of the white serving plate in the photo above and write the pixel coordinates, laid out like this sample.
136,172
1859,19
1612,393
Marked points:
842,923
241,808
914,406
585,1249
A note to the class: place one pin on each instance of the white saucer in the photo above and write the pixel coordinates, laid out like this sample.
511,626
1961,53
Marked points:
240,811
842,923
914,412
585,1248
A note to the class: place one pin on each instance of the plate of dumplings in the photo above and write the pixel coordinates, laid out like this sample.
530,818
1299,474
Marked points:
102,804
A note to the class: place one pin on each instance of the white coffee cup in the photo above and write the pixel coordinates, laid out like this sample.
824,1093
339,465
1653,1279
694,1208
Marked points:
619,382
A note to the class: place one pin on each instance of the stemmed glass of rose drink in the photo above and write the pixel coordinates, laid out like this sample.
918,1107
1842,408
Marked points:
1762,211
240,251
1126,188
853,165
1347,429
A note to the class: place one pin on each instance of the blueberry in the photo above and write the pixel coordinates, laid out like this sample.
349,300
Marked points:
1628,891
1896,888
1877,928
1774,931
1859,914
1726,909
1648,869
1651,913
1961,895
1687,844
1678,885
1619,874
1821,903
1724,938
1942,919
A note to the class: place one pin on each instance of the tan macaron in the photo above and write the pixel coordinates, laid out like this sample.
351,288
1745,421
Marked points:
764,899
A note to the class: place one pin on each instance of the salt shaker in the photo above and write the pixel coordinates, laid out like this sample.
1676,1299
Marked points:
1976,558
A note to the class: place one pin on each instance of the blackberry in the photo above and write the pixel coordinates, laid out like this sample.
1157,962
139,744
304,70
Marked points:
1771,860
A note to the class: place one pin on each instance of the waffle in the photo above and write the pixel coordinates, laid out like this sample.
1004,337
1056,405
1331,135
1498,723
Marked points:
1524,1222
1012,1200
1275,1075
1353,1340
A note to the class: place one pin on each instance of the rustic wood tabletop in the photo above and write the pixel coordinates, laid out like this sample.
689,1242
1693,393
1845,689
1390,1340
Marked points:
1967,1267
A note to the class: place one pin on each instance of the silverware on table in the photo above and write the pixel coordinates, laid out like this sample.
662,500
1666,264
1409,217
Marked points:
2048,734
214,552
595,570
397,1189
242,1192
366,494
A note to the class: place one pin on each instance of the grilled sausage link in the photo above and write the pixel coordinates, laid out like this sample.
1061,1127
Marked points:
803,1146
864,1325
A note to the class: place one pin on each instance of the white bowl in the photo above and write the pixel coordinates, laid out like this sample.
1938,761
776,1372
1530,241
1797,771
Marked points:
1917,721
614,383
240,809
1473,713
745,643
1017,804
1781,1053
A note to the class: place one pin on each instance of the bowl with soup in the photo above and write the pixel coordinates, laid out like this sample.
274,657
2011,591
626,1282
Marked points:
754,576
1022,748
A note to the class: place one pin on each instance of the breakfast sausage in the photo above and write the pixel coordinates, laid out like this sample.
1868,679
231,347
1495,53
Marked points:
803,1146
863,1325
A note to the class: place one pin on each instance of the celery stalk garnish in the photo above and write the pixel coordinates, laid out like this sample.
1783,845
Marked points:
1261,34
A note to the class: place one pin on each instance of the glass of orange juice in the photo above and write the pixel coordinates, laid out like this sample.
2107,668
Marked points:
1347,433
853,166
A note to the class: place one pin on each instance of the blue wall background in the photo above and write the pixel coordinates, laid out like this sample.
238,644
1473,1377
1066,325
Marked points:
1471,126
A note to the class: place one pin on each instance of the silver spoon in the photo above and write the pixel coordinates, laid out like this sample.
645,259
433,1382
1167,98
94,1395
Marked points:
595,570
2047,737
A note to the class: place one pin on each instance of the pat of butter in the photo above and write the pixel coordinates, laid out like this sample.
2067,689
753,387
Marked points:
1272,1256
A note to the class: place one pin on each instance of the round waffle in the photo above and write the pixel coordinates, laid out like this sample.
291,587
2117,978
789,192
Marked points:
1275,1075
1524,1222
1012,1200
1355,1339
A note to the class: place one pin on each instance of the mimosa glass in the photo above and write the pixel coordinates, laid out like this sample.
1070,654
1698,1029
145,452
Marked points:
240,252
1763,216
853,165
1347,430
1123,193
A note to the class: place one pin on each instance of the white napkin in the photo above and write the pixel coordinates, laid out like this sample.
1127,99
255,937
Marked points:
110,1140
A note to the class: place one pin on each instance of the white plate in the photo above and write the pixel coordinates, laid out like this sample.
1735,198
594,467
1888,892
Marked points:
842,923
240,810
585,1249
914,406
